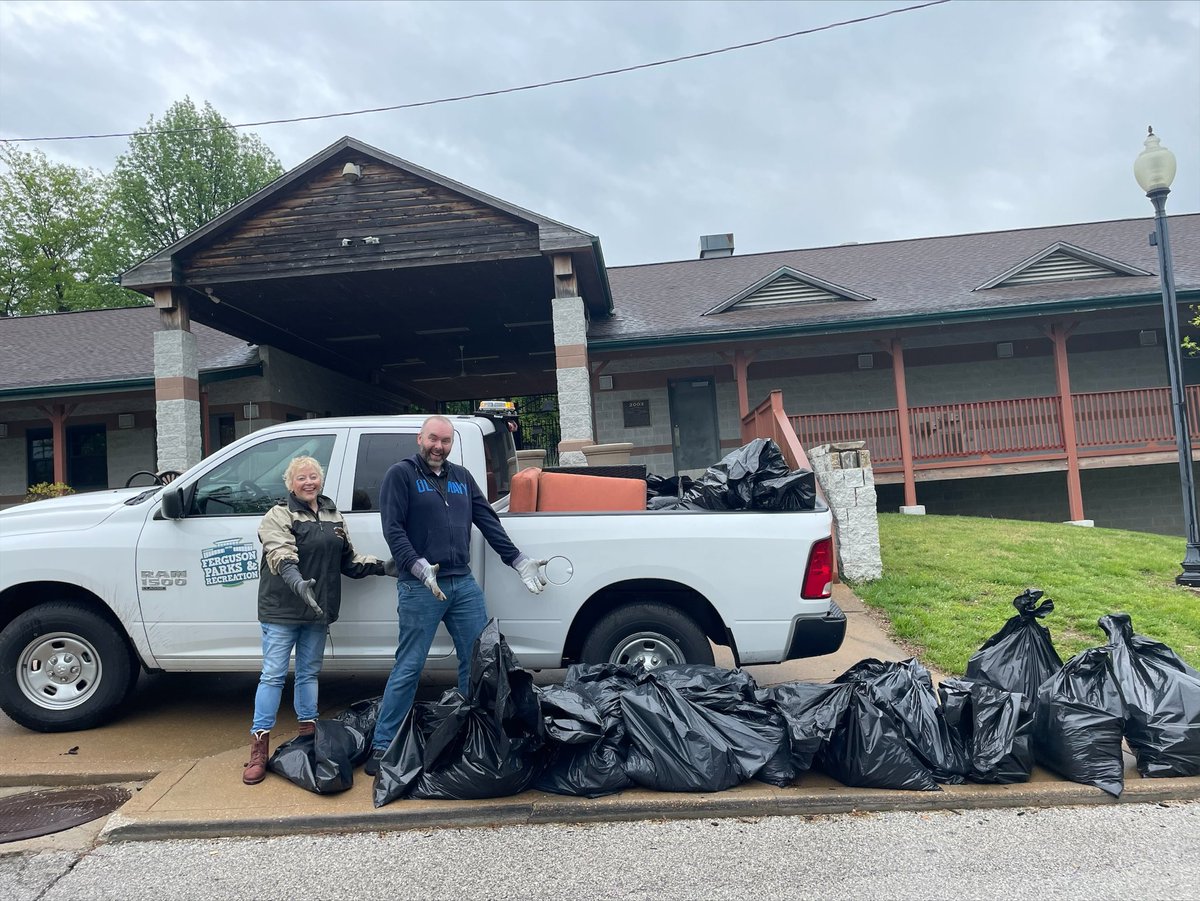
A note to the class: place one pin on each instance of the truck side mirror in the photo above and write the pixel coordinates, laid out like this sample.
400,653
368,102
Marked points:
172,502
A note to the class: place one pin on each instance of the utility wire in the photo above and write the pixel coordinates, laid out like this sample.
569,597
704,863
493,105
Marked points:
499,91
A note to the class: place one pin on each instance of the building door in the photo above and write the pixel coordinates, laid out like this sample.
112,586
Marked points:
87,457
694,437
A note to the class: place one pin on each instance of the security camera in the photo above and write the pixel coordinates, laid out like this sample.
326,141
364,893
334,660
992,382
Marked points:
351,172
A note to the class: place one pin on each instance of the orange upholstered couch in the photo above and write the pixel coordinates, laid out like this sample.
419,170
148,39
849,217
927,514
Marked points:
536,491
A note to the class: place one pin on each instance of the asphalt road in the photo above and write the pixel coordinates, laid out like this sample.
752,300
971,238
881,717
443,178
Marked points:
1122,851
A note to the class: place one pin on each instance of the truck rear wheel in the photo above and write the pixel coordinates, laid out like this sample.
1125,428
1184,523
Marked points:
63,667
655,634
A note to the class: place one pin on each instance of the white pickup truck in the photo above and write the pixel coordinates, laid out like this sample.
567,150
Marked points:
95,587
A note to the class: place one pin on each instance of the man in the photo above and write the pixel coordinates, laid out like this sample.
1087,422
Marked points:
428,506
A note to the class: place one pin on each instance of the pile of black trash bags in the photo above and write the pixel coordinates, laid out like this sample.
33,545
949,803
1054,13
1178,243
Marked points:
753,477
698,728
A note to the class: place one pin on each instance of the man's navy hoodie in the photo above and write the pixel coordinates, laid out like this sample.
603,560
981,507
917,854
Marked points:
430,516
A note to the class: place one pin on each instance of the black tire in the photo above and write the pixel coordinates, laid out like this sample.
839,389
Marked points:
63,667
655,633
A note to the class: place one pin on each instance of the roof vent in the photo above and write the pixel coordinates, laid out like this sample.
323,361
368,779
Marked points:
716,246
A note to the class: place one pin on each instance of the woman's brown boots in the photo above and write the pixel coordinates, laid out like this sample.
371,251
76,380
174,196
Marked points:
256,770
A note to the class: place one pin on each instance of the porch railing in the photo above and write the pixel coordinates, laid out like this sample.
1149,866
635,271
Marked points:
1106,422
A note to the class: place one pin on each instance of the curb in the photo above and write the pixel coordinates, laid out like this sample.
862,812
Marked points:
137,821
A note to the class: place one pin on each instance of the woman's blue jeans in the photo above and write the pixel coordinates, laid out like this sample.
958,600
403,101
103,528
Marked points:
419,612
277,642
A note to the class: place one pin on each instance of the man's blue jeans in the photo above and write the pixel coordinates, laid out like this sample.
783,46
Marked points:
277,643
419,613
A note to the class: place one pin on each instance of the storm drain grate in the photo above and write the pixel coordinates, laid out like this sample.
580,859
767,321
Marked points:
35,813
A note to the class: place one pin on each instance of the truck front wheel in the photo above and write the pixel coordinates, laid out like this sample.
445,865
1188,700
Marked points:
63,667
655,634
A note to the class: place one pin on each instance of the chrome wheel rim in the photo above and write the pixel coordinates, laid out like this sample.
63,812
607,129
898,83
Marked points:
59,670
652,649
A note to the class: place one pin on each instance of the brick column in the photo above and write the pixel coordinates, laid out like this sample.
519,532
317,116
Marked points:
176,384
574,380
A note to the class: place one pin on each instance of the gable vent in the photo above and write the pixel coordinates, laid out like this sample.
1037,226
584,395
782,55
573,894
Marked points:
1059,267
787,289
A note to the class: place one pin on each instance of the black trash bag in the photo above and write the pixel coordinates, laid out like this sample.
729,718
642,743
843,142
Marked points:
362,715
729,484
1162,700
813,712
905,690
995,727
680,745
1021,656
569,717
323,762
670,502
795,491
597,769
1078,722
731,695
868,748
667,486
487,746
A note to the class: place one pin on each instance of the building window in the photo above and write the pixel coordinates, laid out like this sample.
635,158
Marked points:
220,430
39,451
87,457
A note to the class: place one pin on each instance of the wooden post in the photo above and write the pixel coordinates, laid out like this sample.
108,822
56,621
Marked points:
58,414
906,456
1059,332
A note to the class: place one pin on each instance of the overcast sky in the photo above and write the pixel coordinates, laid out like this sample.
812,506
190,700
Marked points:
968,116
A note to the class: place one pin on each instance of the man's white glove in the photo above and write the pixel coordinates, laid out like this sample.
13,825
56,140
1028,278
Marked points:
428,575
530,572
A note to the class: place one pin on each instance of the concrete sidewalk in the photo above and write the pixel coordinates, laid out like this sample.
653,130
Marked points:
192,748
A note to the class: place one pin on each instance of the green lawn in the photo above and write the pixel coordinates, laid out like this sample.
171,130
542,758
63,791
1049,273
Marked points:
949,582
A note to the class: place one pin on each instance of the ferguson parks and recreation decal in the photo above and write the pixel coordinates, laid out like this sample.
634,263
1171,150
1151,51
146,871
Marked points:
229,562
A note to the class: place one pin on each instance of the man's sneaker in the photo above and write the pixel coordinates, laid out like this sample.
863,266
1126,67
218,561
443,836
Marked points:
371,767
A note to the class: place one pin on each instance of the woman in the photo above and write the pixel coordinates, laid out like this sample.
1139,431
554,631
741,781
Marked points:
305,553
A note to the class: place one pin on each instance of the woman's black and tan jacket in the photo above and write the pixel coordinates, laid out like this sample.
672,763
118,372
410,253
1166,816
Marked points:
319,545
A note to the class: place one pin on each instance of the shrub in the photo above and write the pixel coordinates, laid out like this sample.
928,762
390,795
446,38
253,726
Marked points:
43,490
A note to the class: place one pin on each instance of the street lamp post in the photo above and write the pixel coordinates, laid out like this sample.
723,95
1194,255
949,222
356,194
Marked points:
1154,170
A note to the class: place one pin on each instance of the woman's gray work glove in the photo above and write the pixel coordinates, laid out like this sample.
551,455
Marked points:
391,569
305,589
530,572
428,575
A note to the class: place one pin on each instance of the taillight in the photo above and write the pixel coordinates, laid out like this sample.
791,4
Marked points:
818,575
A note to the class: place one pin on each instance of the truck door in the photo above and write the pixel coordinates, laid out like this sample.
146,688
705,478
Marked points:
198,576
366,630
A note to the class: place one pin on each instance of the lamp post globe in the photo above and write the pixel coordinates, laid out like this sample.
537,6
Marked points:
1154,170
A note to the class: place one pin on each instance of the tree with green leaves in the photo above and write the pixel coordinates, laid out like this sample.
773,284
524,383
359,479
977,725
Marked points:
60,246
185,169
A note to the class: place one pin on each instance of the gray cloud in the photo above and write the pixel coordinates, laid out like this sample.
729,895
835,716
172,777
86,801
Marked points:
971,116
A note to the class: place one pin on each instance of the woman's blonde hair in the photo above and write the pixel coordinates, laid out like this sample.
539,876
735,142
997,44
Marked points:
298,464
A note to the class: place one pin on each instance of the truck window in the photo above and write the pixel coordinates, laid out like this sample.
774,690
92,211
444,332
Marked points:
251,482
501,454
376,453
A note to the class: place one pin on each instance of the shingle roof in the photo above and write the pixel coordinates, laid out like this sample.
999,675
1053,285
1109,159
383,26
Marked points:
99,346
912,278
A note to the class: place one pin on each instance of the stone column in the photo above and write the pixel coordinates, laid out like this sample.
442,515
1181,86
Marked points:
845,473
176,384
571,360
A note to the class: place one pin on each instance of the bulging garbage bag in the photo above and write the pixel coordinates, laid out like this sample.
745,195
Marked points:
1079,720
1162,698
715,742
813,712
729,484
995,727
905,690
795,491
485,746
323,762
576,767
868,749
362,715
1021,656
